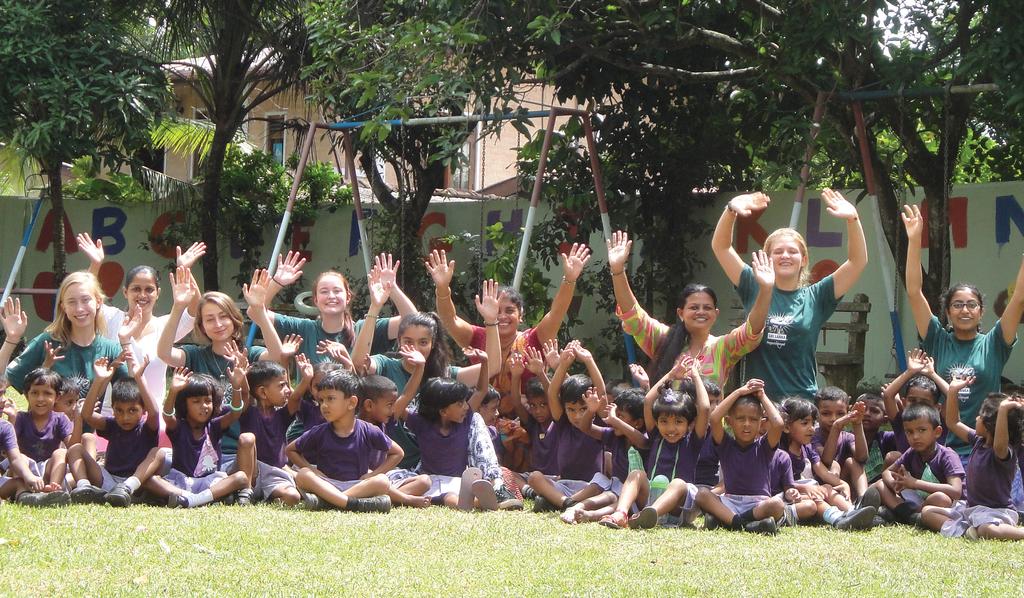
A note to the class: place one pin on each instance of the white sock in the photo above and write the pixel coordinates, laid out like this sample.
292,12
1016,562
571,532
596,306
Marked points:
132,484
83,483
832,514
197,500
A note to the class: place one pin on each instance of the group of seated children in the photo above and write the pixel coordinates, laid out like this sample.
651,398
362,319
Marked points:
642,459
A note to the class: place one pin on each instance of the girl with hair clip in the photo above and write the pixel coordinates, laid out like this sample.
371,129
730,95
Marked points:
423,333
334,330
194,421
697,312
509,317
785,359
74,340
137,327
454,443
961,349
987,510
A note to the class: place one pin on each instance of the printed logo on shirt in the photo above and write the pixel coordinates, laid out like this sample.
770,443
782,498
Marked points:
962,370
776,330
207,462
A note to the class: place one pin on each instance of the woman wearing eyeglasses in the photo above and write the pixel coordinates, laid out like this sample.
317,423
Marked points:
962,349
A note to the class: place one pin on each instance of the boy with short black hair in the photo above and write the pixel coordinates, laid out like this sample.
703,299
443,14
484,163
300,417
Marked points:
342,449
926,474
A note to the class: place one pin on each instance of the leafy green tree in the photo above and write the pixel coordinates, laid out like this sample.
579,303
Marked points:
75,84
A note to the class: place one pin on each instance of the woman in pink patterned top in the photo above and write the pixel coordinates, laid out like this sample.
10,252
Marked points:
697,310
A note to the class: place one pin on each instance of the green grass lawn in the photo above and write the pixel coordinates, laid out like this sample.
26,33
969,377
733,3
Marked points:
95,550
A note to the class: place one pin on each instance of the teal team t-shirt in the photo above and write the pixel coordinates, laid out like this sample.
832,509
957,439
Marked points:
76,359
983,357
785,359
312,333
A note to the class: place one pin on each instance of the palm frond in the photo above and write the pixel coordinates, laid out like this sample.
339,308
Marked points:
166,188
19,173
187,136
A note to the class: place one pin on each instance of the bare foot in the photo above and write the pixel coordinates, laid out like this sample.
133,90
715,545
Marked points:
572,515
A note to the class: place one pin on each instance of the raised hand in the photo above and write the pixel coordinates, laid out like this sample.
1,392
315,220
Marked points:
745,205
411,357
592,400
913,222
289,268
136,367
487,305
290,346
15,321
180,379
53,354
574,261
960,382
764,270
183,287
568,354
917,360
303,366
336,351
256,291
582,353
190,256
516,364
640,376
754,385
387,267
534,361
551,353
619,247
92,249
379,291
838,206
132,326
441,270
477,354
103,369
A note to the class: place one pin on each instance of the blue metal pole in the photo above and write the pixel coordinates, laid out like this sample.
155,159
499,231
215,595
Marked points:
25,238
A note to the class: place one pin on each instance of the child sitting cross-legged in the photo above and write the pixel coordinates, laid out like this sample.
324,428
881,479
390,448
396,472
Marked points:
844,453
917,384
745,458
579,453
824,501
195,425
342,449
131,436
987,510
377,396
42,435
926,474
677,422
264,426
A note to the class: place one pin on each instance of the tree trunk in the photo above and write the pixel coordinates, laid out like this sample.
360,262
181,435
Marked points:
213,169
53,174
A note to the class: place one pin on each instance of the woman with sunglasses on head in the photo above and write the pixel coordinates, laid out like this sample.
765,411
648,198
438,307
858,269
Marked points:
961,349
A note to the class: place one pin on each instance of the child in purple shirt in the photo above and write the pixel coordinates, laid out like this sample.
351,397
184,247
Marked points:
195,430
987,510
131,436
342,449
677,422
378,396
264,427
745,462
844,453
927,474
919,383
41,431
455,447
579,451
830,505
19,481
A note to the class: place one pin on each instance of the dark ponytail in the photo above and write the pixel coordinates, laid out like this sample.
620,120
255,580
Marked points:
438,360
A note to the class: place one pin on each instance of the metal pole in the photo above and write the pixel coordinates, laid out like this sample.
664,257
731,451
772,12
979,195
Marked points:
883,94
887,275
805,170
531,214
307,145
444,120
350,166
25,238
